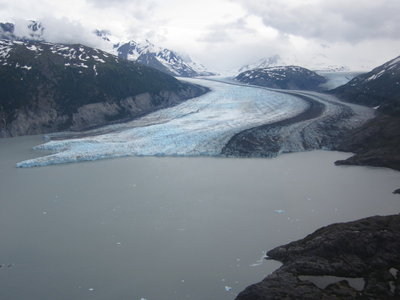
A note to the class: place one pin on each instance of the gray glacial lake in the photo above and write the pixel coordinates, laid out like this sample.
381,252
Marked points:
163,228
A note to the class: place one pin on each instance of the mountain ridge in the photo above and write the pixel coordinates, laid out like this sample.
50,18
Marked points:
282,77
76,87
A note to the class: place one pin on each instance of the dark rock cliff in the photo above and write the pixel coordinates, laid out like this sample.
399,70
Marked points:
355,260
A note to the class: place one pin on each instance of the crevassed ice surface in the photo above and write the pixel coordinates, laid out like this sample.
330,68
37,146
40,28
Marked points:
200,126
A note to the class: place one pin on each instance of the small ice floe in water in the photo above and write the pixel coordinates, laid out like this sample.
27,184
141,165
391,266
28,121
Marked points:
260,261
91,289
118,243
45,212
143,299
228,288
279,211
183,280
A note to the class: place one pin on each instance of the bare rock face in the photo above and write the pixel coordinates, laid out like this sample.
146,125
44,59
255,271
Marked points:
333,261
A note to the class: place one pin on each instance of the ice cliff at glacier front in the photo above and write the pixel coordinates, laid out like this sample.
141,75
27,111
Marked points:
198,127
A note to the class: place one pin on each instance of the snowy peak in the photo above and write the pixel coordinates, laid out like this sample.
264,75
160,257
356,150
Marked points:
145,52
318,62
163,59
267,62
151,55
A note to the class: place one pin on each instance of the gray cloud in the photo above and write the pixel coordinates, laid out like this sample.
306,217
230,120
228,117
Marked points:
330,20
226,32
62,31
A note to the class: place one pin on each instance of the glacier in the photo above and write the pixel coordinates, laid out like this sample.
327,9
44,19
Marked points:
198,127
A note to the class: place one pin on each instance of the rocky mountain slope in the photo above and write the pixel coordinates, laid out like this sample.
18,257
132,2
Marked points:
146,53
48,87
379,88
377,143
162,59
355,260
282,77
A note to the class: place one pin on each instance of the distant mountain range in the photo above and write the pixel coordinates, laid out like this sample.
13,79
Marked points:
146,53
47,87
162,59
320,64
282,77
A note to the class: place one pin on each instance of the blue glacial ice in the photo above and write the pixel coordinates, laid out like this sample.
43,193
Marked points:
198,127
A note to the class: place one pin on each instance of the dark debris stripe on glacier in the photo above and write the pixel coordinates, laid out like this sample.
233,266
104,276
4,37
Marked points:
319,127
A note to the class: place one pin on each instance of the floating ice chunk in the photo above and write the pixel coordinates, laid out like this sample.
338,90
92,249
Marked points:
91,289
279,211
228,288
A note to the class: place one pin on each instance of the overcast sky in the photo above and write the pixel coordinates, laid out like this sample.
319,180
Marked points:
225,34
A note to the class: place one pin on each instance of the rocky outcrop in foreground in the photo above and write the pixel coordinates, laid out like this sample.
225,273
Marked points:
355,260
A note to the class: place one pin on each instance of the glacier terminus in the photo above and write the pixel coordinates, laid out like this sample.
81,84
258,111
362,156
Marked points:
201,126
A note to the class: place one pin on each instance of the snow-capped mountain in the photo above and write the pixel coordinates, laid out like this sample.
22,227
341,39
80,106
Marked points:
146,53
318,62
49,87
282,77
379,88
266,62
162,59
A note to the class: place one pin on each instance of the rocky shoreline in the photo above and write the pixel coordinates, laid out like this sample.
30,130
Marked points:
354,260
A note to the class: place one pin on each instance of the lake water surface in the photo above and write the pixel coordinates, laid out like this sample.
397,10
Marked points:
167,228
